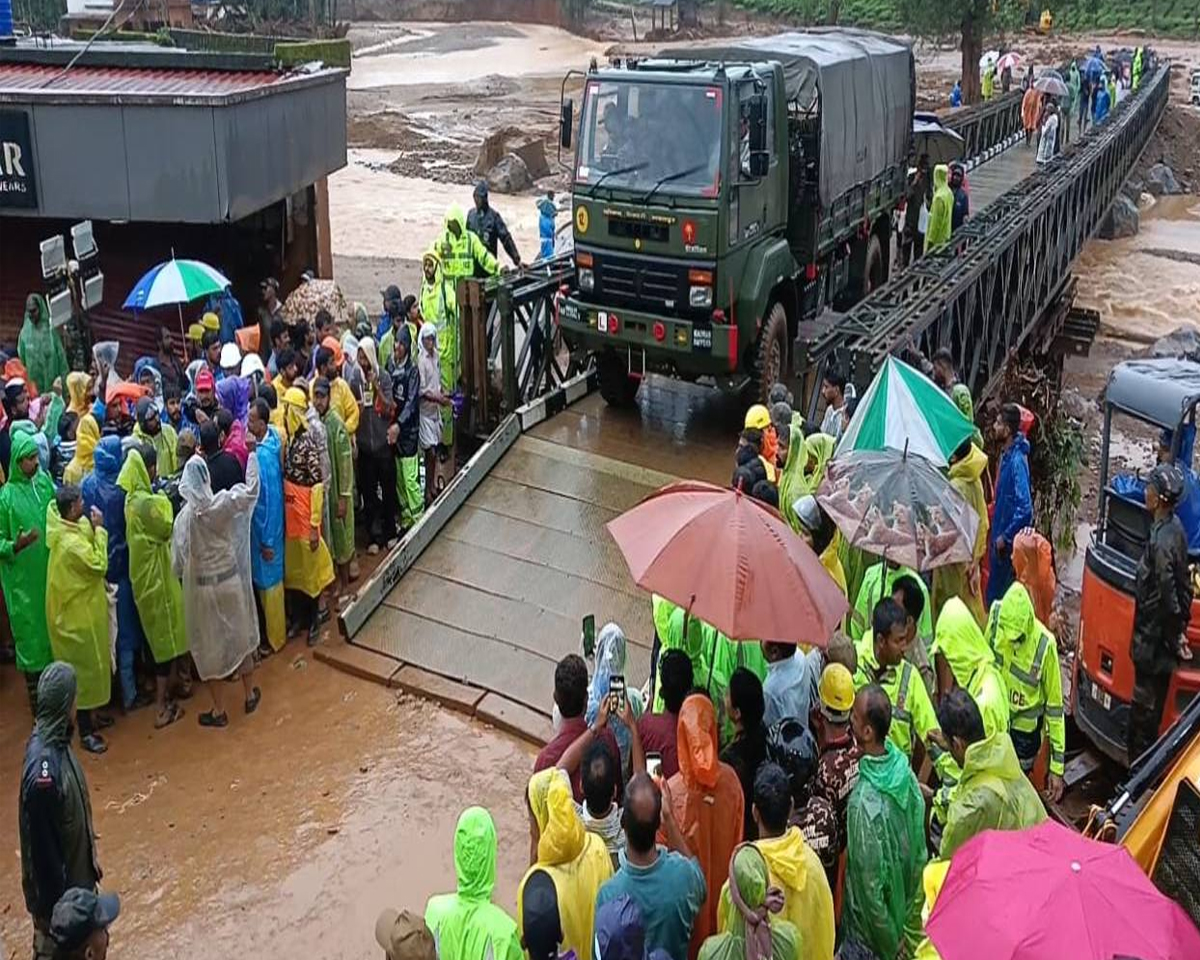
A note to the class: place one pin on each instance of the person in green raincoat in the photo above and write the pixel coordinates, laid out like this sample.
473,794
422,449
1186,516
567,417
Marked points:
341,483
23,556
149,523
941,210
964,660
1073,102
466,924
439,306
885,836
39,347
753,900
993,794
870,594
77,605
151,430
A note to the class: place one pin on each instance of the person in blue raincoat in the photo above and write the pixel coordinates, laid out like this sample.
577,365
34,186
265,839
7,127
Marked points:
100,490
266,527
1014,501
546,214
225,305
956,94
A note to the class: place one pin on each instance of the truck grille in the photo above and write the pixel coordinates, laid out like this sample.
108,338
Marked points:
650,284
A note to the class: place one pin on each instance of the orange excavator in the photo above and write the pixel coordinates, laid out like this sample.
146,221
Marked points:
1162,395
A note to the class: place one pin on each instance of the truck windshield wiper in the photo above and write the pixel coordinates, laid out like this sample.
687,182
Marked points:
616,173
677,175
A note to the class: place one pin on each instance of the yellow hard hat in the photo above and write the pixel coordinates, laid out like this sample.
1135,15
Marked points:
196,332
210,321
836,690
758,417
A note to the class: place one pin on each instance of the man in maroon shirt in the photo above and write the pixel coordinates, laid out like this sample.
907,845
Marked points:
659,731
570,696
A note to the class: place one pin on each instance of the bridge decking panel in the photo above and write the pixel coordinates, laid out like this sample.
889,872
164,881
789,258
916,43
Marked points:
993,179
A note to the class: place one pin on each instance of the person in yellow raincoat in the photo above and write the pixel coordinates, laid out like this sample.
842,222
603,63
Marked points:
87,435
78,401
439,306
962,580
77,606
149,522
993,793
794,868
576,859
819,531
963,659
941,210
307,563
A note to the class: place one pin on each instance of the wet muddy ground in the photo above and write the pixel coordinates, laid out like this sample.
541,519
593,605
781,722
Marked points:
286,833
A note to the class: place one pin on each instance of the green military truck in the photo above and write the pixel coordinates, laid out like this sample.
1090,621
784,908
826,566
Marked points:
723,194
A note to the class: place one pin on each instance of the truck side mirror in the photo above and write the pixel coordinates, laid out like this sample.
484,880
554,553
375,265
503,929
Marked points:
756,116
566,122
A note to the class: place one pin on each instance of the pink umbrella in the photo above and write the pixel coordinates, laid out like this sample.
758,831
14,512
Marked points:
1049,892
732,561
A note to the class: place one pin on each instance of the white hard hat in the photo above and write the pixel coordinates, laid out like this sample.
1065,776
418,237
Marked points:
231,356
251,364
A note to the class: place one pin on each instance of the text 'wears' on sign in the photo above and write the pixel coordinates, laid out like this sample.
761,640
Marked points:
18,183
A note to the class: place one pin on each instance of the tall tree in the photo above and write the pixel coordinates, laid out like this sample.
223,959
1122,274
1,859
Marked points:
971,20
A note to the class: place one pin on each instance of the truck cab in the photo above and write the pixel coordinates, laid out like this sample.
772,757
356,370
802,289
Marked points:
1157,398
712,210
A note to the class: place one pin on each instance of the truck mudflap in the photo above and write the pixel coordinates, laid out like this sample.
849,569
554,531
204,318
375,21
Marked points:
689,346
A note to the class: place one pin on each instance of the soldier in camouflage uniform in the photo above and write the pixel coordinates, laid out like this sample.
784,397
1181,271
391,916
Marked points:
822,819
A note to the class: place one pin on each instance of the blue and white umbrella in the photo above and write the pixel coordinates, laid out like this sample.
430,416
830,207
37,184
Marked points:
175,282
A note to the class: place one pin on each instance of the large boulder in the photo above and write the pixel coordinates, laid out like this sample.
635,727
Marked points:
1160,181
1122,219
509,140
1133,188
510,175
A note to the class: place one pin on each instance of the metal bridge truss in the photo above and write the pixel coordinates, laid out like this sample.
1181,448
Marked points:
986,127
511,345
1006,271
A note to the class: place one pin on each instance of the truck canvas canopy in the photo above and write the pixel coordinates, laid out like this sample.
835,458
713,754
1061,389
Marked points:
863,83
1161,390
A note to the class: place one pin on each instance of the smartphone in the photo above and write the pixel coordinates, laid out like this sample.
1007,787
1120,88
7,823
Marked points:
616,691
654,765
589,635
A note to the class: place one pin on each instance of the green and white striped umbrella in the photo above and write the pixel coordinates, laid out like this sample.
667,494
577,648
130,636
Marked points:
175,281
904,410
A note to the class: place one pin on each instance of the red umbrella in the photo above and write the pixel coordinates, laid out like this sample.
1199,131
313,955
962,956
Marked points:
733,561
1049,892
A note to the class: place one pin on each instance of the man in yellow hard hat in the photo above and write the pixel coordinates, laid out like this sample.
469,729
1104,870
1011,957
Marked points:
758,439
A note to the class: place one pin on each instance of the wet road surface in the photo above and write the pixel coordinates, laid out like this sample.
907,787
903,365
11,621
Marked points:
286,833
499,596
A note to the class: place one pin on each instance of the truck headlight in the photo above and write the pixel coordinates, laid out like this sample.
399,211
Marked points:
700,297
587,280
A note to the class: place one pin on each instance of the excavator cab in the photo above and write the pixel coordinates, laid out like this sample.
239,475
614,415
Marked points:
1157,400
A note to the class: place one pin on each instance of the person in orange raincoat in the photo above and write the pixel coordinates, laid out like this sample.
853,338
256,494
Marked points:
1031,113
708,805
1033,563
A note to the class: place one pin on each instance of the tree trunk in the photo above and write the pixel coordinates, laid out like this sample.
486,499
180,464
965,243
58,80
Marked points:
972,50
835,9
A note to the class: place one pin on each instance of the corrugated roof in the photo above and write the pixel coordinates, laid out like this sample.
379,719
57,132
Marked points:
17,79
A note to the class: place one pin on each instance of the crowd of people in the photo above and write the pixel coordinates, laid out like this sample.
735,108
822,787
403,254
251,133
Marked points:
768,800
177,525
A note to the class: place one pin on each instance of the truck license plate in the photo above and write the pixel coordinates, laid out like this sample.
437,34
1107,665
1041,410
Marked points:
1101,696
702,338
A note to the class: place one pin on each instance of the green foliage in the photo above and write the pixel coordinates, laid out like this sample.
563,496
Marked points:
39,15
1058,457
333,53
1179,18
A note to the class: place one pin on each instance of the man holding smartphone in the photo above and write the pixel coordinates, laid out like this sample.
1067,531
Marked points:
570,696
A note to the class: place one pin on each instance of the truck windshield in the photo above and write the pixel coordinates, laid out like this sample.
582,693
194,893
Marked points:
639,135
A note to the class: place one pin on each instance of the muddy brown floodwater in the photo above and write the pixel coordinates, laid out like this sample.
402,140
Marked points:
286,833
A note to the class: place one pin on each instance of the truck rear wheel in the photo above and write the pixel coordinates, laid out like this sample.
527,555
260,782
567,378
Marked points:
617,387
770,354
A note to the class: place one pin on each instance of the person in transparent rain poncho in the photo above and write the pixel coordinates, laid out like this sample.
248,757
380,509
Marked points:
210,552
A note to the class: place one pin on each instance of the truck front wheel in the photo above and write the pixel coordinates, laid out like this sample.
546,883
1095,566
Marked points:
770,354
617,387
